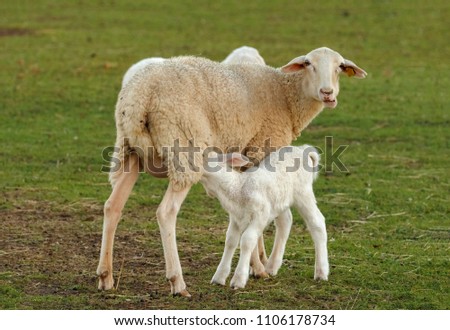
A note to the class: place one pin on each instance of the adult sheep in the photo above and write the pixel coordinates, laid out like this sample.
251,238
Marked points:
244,54
136,67
195,104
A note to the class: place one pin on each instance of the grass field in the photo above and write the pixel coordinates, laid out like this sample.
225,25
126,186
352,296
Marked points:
387,218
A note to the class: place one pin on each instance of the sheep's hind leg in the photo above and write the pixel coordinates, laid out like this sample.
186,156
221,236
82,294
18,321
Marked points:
315,222
167,217
283,225
123,185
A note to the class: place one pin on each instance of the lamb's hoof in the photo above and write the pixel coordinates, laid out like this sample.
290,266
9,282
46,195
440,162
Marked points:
217,282
321,276
238,282
219,278
272,268
236,286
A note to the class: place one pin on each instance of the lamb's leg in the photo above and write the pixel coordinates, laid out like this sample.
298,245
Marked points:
283,225
231,242
249,240
123,184
167,217
315,222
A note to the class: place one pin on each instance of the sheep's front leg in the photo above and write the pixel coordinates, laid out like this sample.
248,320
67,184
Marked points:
167,216
123,185
231,242
315,222
283,225
249,239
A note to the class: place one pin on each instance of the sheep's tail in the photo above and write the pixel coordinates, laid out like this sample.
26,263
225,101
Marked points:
313,160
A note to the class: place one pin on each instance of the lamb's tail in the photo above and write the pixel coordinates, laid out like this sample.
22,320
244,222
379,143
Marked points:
313,160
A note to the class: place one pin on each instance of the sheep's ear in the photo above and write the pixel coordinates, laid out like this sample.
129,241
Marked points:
352,70
236,159
295,65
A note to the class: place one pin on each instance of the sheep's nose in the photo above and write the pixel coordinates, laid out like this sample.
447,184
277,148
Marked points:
326,91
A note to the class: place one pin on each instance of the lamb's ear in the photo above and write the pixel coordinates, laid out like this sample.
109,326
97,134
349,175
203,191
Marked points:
295,65
236,159
352,70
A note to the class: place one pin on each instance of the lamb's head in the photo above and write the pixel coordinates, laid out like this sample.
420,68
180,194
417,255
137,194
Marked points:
322,68
218,163
218,170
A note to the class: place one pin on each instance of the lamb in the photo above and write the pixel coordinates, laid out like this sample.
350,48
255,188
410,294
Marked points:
176,109
255,197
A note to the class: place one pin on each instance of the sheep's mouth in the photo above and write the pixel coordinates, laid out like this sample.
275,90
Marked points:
330,103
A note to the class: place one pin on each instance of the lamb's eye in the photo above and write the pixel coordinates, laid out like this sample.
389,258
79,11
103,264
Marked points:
342,66
306,63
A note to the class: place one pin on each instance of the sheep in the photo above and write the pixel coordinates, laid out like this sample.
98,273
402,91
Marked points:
255,197
244,54
136,67
176,109
241,55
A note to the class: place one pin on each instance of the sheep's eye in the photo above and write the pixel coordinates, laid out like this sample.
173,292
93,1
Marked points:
342,66
306,63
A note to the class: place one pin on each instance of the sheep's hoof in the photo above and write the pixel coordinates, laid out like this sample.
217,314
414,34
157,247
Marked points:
105,281
183,293
261,275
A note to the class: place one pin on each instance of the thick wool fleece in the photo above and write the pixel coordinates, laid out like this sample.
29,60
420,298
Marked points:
195,100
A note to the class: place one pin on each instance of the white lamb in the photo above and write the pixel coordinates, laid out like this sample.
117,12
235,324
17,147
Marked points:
195,103
255,197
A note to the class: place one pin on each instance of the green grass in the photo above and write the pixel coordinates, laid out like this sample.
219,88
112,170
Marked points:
387,219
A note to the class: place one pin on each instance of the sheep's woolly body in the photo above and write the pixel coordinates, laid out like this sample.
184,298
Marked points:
244,54
190,98
136,67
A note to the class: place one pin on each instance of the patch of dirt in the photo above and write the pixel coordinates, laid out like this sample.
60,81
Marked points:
11,32
52,250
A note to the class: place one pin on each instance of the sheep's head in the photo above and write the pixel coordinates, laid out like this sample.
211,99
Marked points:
322,68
